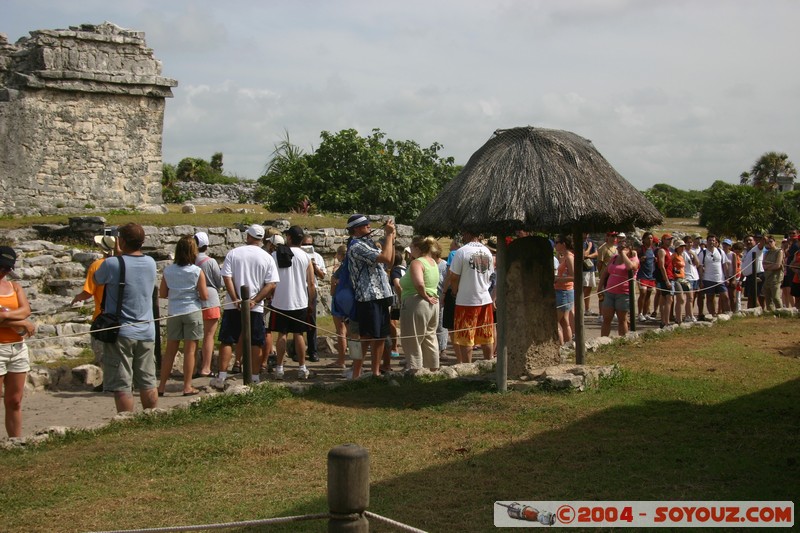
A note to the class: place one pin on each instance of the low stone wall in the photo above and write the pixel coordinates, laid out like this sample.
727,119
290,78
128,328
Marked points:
217,193
52,273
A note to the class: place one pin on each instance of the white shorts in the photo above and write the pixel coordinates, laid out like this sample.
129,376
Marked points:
589,280
14,358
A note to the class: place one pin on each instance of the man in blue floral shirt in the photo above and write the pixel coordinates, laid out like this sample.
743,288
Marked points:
371,286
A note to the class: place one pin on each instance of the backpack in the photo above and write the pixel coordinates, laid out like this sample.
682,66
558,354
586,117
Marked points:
344,299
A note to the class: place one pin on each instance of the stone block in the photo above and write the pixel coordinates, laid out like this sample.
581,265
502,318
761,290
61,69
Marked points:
564,381
90,375
43,260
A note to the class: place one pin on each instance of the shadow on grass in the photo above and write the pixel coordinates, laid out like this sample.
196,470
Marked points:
406,393
744,449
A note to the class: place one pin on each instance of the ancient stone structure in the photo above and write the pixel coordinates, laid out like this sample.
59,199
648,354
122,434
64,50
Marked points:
81,117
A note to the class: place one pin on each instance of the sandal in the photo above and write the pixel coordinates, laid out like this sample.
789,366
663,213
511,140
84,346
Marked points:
192,392
334,365
237,368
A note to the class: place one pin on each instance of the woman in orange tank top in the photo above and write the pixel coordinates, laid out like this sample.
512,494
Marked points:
14,326
565,296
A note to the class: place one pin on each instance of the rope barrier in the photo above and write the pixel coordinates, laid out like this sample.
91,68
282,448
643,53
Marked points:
243,523
335,334
393,523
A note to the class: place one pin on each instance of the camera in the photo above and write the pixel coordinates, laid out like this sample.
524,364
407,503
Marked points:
111,232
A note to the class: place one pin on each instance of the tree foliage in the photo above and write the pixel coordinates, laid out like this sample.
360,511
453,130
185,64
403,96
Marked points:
200,170
673,202
348,172
767,170
736,210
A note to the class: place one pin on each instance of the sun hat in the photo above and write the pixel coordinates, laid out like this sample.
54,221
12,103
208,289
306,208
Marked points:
256,231
678,243
106,242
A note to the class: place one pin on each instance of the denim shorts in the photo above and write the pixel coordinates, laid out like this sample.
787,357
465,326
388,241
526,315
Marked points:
618,302
565,299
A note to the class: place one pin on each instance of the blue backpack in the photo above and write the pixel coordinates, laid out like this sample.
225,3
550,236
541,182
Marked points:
344,299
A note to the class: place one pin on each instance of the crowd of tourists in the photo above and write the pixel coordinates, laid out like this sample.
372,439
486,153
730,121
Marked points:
678,279
382,296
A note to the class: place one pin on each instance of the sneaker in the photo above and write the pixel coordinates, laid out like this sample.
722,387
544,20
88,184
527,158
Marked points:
701,317
641,318
692,319
395,355
313,358
272,362
217,383
237,368
303,373
279,375
348,373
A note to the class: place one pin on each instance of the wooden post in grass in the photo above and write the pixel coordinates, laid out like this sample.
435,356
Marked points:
246,336
348,488
631,300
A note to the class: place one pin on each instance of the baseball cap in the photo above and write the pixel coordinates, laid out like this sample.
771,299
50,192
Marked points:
295,233
356,221
727,241
276,240
666,236
202,239
256,231
621,235
611,233
106,242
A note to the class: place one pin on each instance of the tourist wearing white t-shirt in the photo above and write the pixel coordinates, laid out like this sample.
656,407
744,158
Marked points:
290,302
712,275
470,279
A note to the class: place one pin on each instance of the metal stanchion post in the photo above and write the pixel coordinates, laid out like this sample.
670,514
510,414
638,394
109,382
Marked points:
246,336
348,488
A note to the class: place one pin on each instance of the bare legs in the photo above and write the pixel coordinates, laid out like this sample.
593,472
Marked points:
14,385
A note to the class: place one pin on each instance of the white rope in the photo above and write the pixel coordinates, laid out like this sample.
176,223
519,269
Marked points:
393,523
229,525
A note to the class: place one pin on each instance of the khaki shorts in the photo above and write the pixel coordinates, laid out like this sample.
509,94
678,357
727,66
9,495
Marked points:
185,327
129,362
14,358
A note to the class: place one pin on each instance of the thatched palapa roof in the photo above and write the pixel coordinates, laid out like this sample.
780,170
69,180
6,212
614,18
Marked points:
536,179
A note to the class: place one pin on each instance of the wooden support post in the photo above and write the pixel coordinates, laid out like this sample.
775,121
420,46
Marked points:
246,336
501,368
348,488
580,344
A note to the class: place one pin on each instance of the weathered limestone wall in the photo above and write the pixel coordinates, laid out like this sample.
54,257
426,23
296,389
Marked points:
81,117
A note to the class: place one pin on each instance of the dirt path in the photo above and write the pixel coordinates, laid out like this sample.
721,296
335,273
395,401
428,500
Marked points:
85,409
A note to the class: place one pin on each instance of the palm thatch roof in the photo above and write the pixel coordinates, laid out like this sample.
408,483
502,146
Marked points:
536,179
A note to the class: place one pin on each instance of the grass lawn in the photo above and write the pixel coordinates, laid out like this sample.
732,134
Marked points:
705,414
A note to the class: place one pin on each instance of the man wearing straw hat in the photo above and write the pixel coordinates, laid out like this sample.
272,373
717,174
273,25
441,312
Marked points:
107,243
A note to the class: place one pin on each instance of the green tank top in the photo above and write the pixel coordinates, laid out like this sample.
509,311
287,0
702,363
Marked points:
430,275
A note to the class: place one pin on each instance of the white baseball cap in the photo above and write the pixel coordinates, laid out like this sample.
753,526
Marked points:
256,231
202,238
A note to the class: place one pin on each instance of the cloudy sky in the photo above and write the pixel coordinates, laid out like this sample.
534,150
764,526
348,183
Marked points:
670,91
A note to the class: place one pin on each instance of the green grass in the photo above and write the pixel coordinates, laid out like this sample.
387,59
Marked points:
696,415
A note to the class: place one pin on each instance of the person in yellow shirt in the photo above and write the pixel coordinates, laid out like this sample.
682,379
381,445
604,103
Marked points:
93,290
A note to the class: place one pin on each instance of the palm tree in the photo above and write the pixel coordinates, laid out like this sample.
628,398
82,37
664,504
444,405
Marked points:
769,169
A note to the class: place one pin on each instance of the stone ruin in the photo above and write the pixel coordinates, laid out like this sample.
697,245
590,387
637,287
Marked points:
81,118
